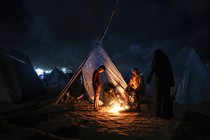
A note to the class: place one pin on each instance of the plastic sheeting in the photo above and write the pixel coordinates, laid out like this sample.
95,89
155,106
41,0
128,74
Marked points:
111,75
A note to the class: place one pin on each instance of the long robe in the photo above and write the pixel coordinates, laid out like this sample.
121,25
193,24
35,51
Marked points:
164,80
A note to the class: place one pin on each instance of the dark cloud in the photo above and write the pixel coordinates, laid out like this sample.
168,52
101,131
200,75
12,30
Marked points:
12,22
62,33
70,21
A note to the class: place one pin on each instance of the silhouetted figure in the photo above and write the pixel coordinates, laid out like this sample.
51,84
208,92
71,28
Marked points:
97,84
164,80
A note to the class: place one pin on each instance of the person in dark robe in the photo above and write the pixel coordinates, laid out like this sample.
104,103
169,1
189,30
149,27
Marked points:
97,85
164,80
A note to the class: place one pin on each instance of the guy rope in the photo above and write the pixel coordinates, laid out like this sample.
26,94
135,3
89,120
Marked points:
111,17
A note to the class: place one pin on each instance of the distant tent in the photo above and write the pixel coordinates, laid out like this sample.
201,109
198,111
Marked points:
96,58
192,81
55,80
18,77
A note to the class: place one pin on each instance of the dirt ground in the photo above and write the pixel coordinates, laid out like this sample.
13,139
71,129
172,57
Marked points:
78,120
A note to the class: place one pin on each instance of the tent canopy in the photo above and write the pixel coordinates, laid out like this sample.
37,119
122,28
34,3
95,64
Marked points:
18,76
96,58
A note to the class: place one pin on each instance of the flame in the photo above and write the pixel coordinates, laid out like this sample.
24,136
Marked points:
116,107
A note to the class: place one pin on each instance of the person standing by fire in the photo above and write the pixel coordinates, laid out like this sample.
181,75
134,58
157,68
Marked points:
97,85
135,88
164,80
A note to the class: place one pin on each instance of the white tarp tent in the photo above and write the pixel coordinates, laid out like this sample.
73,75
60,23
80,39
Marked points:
192,81
112,75
96,58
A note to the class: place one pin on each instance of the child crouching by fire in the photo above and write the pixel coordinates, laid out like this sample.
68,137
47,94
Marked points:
135,89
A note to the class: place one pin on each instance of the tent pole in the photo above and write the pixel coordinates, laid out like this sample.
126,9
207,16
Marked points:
68,85
112,15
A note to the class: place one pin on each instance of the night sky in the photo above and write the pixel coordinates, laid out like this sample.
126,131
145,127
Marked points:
55,33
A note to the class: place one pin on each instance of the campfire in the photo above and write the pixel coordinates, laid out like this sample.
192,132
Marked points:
114,99
115,107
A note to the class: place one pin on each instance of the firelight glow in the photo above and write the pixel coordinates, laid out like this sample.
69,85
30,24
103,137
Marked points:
116,107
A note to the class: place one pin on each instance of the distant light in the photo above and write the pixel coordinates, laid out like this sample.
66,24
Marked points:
39,71
63,69
48,71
